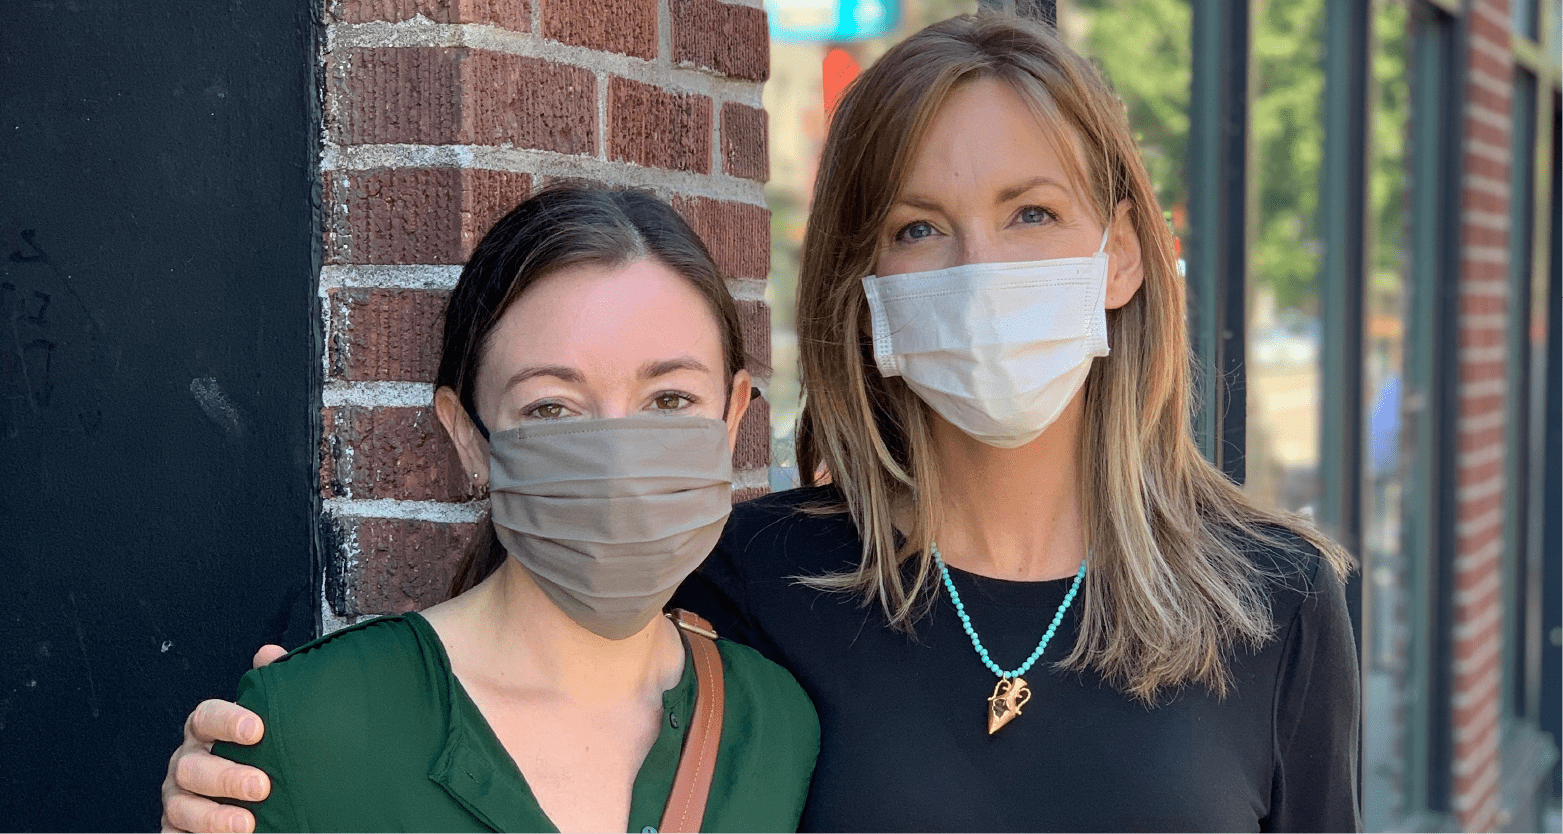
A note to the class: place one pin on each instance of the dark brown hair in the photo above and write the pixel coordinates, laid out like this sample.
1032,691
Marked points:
560,227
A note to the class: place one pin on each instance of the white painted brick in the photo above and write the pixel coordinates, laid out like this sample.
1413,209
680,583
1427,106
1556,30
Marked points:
399,277
377,394
541,163
465,513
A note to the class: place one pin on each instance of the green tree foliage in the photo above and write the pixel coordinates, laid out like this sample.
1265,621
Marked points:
1145,47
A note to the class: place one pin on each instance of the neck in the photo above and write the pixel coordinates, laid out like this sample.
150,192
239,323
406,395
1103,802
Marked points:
507,631
1012,513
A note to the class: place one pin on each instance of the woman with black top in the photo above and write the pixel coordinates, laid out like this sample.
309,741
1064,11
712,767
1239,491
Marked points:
1018,596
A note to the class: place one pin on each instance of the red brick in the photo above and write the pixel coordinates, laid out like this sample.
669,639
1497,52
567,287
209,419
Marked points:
656,128
1472,235
1471,510
442,96
738,234
510,14
391,453
414,215
744,142
732,40
628,27
1481,336
1477,406
1477,305
753,450
1498,103
754,319
1479,200
384,334
389,96
1486,132
1484,28
487,196
403,565
1482,166
742,495
1478,540
1474,440
528,103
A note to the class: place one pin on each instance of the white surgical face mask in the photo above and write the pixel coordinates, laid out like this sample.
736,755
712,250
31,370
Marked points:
997,349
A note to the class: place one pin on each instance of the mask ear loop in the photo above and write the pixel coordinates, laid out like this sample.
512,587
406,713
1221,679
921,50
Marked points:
1102,247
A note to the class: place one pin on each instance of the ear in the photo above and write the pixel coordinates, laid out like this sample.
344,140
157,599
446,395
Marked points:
1125,266
470,445
737,404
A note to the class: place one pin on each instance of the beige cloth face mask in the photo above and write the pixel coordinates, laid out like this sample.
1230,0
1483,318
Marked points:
610,515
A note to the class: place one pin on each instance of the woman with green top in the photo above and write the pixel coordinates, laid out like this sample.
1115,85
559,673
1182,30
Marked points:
551,692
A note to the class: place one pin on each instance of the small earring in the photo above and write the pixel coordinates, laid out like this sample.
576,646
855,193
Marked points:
474,476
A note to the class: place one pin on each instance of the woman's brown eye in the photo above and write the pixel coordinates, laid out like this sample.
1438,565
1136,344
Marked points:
549,411
669,401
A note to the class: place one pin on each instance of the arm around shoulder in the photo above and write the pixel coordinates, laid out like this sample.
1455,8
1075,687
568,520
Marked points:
278,811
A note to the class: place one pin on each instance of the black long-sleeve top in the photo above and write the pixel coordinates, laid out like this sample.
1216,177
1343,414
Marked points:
904,743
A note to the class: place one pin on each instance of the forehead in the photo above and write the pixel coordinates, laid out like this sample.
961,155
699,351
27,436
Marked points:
605,318
986,135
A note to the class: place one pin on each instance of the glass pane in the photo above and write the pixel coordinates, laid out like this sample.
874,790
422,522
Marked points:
1152,79
1385,572
1287,142
794,102
1524,15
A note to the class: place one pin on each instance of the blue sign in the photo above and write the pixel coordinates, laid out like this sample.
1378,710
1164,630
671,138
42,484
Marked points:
832,20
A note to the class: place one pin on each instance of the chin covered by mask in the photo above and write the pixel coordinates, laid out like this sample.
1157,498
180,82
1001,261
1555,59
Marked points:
997,349
610,515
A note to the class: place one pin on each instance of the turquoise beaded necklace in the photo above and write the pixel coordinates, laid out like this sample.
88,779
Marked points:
1011,693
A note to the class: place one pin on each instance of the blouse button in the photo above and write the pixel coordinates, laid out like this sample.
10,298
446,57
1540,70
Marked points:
648,830
673,719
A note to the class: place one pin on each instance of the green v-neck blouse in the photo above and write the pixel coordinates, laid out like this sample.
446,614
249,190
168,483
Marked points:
367,729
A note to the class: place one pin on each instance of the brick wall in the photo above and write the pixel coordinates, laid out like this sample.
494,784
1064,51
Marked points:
440,115
1484,289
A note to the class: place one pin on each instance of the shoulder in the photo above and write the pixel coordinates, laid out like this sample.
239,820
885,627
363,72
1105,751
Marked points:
363,649
806,529
343,675
1298,579
765,702
752,677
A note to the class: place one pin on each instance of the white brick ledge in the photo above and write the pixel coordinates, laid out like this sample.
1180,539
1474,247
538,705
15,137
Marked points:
410,277
541,163
376,394
466,513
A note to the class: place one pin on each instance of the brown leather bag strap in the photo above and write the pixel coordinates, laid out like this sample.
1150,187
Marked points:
686,806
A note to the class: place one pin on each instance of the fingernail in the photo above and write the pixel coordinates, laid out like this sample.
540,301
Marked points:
253,788
249,728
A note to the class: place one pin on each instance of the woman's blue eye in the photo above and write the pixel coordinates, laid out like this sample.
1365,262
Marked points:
1034,214
915,231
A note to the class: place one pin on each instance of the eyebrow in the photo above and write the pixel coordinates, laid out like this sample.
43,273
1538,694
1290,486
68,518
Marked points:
662,367
558,371
928,204
651,370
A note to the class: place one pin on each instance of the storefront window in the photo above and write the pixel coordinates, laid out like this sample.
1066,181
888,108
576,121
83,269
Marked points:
1287,145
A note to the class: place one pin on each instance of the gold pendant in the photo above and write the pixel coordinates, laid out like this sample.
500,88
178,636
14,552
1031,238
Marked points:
1009,695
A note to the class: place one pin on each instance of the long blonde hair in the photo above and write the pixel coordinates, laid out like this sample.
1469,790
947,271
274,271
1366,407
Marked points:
1171,589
